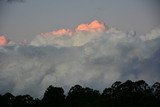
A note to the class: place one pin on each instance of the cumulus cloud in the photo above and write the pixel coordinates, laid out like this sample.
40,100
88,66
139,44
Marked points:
154,34
94,58
91,27
3,40
79,36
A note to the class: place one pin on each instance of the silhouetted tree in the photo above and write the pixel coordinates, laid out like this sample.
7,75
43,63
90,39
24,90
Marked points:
23,101
116,85
107,97
82,97
7,100
37,103
54,96
156,89
127,94
156,92
142,93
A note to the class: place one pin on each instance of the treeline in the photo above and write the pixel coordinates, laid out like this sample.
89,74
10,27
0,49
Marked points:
127,94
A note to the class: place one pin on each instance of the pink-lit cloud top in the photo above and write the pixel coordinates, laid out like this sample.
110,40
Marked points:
78,36
3,40
94,26
59,32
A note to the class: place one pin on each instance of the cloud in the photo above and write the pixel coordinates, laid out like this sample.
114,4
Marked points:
81,35
92,27
154,34
95,59
3,40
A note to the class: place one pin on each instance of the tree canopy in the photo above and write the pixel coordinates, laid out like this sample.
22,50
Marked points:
127,94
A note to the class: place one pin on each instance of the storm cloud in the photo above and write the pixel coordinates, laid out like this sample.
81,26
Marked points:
95,58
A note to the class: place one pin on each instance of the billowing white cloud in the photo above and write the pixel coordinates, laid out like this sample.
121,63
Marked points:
154,34
81,35
95,59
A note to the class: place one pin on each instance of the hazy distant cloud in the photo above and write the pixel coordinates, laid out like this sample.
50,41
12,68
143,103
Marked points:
95,59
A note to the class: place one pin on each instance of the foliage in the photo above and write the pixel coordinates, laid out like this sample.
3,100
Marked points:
127,94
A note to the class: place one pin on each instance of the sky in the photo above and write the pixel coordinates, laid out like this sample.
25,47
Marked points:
87,42
25,20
